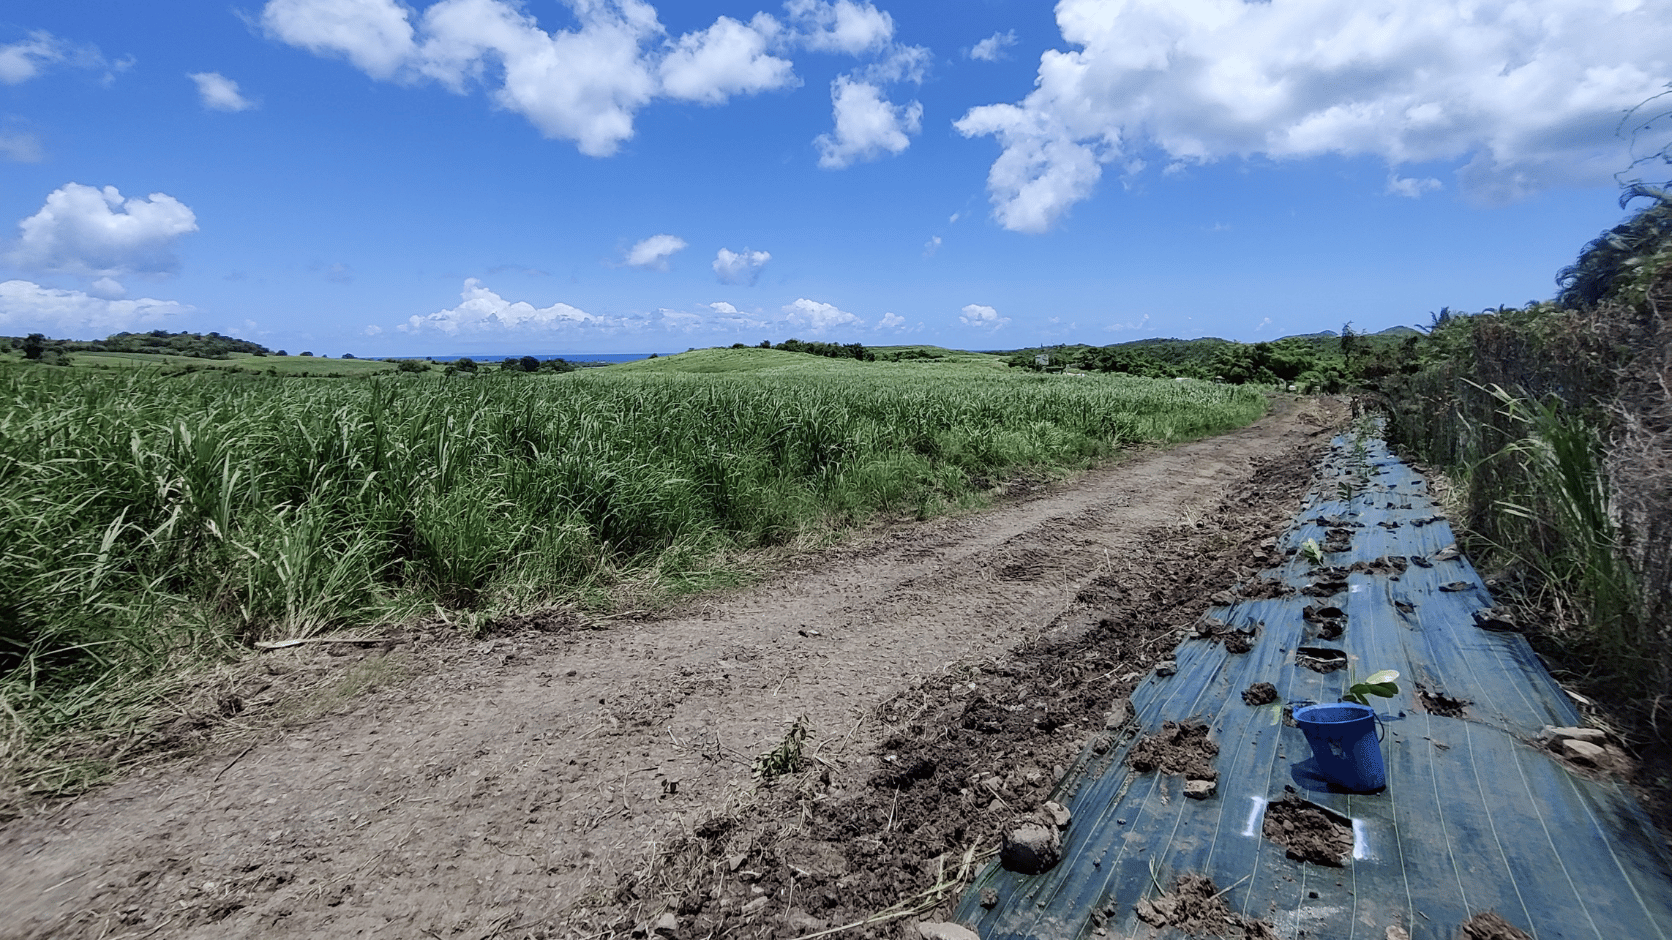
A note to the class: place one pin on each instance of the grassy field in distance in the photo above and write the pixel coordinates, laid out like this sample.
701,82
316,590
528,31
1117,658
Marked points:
159,521
236,362
752,359
283,365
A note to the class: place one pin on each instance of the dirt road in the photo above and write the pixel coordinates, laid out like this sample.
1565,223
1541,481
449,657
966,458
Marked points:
569,779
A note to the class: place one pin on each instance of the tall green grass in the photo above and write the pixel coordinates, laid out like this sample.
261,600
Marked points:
1528,410
148,521
1561,524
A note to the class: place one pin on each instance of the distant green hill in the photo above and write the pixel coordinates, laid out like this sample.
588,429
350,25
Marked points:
785,362
1323,361
1205,349
157,342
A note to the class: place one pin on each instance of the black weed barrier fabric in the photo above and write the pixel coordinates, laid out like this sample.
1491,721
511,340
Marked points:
1478,814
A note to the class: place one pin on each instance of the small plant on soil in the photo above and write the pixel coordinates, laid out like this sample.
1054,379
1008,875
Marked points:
1313,552
1383,684
786,758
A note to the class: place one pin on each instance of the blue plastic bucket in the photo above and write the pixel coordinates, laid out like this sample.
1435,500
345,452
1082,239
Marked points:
1343,739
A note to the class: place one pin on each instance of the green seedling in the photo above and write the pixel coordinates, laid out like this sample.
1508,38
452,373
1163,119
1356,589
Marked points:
1313,552
1381,684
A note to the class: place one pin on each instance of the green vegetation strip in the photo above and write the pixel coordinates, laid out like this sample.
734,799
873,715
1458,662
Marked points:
151,524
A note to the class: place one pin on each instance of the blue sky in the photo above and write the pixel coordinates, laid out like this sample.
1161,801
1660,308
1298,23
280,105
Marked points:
489,176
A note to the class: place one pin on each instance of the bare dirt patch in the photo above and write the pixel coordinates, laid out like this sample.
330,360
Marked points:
1196,908
1439,703
1308,832
1181,748
566,778
1487,925
1260,693
1387,564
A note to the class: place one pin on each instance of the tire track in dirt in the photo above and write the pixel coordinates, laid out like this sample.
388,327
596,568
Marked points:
519,777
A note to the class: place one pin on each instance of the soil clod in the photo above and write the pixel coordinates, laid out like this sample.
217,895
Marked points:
1196,907
1060,815
1487,925
1199,789
1328,587
1031,848
1338,540
1329,620
1308,832
1260,693
1438,703
1178,748
1387,564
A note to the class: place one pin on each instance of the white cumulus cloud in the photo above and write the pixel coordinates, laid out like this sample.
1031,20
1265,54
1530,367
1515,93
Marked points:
728,317
220,93
842,26
483,311
819,317
898,64
682,321
28,58
891,321
982,317
1528,92
21,61
740,267
1412,188
373,34
728,58
992,48
655,251
584,85
27,307
95,232
867,125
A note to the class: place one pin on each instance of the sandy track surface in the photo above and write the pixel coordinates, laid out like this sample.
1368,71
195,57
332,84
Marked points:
532,784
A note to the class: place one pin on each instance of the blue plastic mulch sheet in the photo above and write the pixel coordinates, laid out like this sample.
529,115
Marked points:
1476,814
